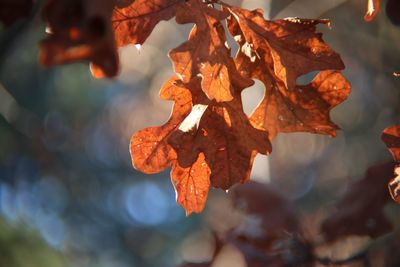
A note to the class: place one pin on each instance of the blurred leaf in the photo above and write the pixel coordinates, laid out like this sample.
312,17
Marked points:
80,30
360,211
271,233
391,137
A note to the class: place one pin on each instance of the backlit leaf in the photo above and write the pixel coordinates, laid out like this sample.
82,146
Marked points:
227,139
191,184
209,140
206,52
149,148
278,53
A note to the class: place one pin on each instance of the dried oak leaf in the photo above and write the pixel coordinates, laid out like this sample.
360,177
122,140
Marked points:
149,149
360,211
277,53
191,184
12,10
206,52
391,137
80,30
226,137
372,10
133,22
204,142
151,153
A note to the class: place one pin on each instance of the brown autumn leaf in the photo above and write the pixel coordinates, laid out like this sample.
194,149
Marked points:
391,137
360,211
212,142
133,21
151,152
12,10
80,31
191,184
206,52
225,136
372,10
209,140
278,53
149,149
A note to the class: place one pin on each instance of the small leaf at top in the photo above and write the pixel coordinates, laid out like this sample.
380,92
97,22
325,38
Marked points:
206,53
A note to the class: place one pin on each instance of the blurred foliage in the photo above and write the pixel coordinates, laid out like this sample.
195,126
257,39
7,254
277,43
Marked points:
65,167
20,247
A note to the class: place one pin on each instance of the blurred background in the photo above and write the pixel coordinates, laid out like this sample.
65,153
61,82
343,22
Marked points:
69,195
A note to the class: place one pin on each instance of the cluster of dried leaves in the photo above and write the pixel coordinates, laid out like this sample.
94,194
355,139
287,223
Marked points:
208,140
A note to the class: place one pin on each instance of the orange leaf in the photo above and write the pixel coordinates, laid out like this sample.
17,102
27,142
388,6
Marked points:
149,149
151,153
277,53
80,30
226,137
206,52
134,21
191,184
391,137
